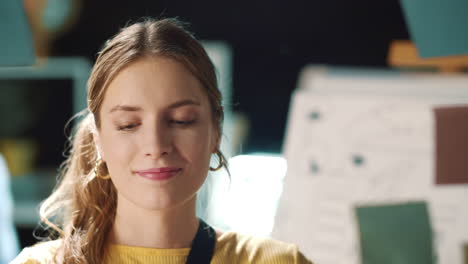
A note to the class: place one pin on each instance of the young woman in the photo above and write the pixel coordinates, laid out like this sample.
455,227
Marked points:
139,156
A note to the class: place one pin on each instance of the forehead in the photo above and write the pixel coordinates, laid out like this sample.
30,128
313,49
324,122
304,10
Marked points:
154,83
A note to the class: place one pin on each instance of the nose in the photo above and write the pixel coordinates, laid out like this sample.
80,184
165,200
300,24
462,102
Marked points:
157,142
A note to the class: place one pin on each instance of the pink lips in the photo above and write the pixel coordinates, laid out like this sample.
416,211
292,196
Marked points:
159,174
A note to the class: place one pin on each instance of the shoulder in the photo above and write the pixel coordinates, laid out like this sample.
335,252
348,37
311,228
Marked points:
40,253
251,249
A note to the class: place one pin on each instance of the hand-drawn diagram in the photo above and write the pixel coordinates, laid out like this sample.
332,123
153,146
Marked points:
345,150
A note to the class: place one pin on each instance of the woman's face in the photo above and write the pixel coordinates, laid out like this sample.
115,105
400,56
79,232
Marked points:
156,133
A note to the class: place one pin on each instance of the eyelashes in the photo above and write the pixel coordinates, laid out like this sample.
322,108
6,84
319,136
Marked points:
127,127
178,123
182,123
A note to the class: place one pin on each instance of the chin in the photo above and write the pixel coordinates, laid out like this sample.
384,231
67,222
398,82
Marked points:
160,202
155,203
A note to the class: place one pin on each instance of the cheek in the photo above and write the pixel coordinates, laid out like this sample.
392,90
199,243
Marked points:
196,145
118,151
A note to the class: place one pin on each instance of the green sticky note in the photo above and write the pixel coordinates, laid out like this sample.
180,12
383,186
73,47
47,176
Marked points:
438,28
16,45
392,234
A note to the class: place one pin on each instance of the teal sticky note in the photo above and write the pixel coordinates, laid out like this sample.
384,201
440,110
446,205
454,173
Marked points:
398,233
437,27
16,45
465,249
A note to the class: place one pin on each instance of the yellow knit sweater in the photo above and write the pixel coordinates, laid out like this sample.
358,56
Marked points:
231,247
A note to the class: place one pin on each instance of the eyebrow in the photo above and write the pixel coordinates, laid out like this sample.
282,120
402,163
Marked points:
183,103
130,108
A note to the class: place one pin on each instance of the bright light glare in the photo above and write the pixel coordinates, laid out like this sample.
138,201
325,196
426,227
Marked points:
249,204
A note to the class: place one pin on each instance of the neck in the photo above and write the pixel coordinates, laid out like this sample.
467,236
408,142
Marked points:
168,228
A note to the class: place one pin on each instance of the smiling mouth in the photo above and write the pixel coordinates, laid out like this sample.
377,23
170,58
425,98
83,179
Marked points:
159,174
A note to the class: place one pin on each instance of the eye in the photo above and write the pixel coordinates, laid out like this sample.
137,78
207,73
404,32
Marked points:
127,127
182,122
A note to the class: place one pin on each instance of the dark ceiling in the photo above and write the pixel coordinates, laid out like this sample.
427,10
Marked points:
271,40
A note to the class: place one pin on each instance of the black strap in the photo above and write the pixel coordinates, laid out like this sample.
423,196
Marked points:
203,245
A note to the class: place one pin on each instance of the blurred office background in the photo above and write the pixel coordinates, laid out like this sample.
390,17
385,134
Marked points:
333,127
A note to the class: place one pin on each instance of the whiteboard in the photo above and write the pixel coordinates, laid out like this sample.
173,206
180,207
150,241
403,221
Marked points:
366,138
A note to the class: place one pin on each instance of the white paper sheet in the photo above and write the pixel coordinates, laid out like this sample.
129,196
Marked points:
374,145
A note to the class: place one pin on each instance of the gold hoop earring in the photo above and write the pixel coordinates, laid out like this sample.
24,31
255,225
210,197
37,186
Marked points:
96,170
221,162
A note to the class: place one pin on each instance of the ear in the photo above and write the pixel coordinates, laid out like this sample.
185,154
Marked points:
216,141
97,142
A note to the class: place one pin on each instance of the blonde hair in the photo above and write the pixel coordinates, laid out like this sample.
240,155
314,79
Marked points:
82,207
